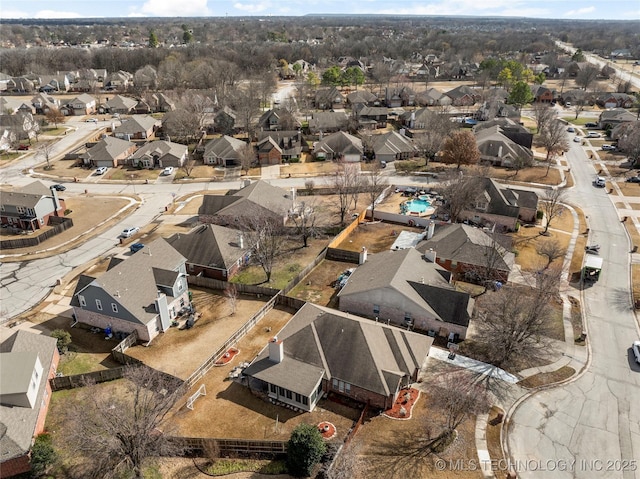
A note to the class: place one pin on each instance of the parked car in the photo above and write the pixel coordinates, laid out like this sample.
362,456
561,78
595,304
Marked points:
591,125
24,147
59,187
102,170
135,247
168,171
567,104
593,134
636,351
91,120
129,232
577,139
608,148
571,129
633,179
599,182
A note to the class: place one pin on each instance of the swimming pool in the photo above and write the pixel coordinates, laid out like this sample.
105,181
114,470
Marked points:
416,206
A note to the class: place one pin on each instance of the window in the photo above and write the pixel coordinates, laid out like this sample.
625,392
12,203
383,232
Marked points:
335,383
376,309
280,391
272,388
99,304
289,394
114,307
347,388
305,400
454,264
407,317
298,397
83,302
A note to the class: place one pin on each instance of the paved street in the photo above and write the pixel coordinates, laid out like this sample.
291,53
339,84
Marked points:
592,420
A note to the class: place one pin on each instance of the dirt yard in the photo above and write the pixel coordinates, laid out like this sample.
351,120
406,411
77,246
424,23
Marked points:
376,237
180,352
317,287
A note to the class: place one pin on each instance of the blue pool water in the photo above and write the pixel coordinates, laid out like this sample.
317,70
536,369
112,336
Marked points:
415,206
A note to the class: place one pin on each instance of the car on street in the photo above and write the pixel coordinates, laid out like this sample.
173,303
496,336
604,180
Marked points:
129,232
636,351
59,187
593,134
600,182
168,171
91,120
102,170
23,147
633,179
571,129
135,247
608,148
591,125
577,139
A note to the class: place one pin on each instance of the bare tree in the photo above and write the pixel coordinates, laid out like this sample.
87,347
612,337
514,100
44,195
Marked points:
436,129
231,293
551,205
586,76
188,166
460,194
246,103
554,140
265,235
374,184
552,250
344,180
517,319
460,148
543,115
247,158
629,141
491,263
117,434
47,150
55,116
304,218
181,124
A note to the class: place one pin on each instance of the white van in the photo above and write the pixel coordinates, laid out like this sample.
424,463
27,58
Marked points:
599,181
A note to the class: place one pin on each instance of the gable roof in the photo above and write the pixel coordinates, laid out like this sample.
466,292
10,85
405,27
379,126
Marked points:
28,196
392,143
340,142
133,282
109,148
361,96
320,342
136,124
120,102
492,143
466,244
405,271
460,91
258,194
224,147
328,120
210,245
161,148
18,424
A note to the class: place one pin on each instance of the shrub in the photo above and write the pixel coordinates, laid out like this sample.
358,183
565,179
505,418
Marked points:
64,339
42,455
304,450
67,212
539,214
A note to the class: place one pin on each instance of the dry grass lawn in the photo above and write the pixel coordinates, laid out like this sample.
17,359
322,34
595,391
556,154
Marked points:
635,275
544,379
526,242
317,287
629,189
376,237
494,445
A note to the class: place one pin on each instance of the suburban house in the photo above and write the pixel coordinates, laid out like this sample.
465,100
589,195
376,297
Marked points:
12,106
109,152
224,121
329,99
432,97
339,146
212,251
542,94
30,207
278,119
392,146
611,118
577,96
462,96
468,252
119,80
328,122
362,97
160,154
27,362
43,103
54,83
499,150
83,104
372,116
137,127
143,292
256,199
120,104
324,351
614,100
21,126
501,206
397,97
224,151
510,128
491,109
276,146
408,290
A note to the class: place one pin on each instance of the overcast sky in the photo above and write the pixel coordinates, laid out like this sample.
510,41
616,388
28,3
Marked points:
561,9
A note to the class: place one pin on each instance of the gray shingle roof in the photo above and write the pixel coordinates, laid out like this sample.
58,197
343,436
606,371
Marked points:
225,147
119,102
340,143
392,143
108,149
161,148
17,424
361,352
137,124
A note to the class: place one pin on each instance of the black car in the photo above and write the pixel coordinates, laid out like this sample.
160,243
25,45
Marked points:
59,187
591,125
633,179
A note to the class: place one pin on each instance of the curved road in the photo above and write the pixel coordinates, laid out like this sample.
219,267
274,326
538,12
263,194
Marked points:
590,428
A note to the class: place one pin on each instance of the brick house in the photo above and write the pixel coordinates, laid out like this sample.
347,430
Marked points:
109,152
542,94
27,362
137,127
160,154
322,350
275,146
30,207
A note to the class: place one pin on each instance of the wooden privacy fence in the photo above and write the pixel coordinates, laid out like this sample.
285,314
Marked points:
64,224
118,352
218,284
201,446
299,277
335,254
81,380
232,341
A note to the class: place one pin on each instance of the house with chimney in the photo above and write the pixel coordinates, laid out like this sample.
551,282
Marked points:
323,351
27,362
212,251
141,293
30,207
407,289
